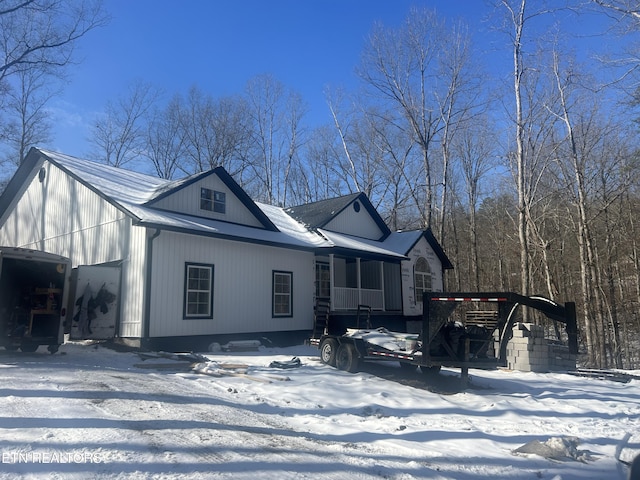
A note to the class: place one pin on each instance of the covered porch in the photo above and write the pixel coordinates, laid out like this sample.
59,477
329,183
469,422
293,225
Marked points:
349,282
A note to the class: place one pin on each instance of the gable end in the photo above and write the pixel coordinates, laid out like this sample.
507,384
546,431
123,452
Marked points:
229,183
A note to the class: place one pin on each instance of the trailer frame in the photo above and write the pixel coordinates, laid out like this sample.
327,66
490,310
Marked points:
434,348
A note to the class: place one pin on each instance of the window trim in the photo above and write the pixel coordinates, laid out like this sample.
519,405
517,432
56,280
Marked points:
206,199
425,275
186,291
214,201
274,274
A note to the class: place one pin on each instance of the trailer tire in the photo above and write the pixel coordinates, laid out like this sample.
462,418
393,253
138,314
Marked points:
29,347
347,358
328,351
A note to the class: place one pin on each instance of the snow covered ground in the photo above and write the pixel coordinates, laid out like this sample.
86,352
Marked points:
92,412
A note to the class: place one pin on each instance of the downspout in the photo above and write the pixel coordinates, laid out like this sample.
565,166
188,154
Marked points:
146,320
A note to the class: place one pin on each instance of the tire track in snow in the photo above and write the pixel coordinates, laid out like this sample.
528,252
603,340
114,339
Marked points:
222,439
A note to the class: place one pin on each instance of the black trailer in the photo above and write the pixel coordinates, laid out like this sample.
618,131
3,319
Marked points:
33,299
476,339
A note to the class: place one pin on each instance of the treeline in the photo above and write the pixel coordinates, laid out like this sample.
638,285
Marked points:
527,175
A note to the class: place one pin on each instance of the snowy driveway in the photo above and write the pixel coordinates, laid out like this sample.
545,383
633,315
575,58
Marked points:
93,412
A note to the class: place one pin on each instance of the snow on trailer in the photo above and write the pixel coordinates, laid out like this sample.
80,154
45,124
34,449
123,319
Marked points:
477,341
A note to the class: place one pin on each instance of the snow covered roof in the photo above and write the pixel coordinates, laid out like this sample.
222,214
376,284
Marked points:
319,214
340,241
403,242
299,227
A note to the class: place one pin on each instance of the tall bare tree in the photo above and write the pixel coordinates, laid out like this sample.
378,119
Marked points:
39,34
28,122
400,65
165,140
475,151
37,42
277,136
421,70
216,132
118,136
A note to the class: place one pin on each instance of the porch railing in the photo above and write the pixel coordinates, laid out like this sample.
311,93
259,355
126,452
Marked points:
349,298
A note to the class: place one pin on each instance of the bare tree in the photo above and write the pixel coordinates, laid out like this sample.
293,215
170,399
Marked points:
475,152
400,66
165,140
622,8
531,128
589,164
40,34
422,72
37,41
277,135
216,132
28,120
118,136
319,177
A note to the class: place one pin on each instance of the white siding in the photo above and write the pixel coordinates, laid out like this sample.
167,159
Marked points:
242,286
187,200
355,223
422,249
62,216
133,285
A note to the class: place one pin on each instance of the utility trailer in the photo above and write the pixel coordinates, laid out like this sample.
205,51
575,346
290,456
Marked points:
33,299
479,340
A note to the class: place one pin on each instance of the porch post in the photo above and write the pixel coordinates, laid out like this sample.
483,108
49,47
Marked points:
331,283
359,281
384,307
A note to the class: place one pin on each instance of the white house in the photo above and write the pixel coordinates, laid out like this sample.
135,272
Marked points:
199,259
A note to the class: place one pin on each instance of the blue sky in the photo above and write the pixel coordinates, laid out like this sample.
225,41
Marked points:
219,45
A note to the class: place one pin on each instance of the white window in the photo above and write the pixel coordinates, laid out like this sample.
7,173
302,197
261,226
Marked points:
282,294
422,278
213,201
198,295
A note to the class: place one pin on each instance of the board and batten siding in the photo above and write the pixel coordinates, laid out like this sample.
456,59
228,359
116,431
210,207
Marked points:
359,224
60,215
187,200
411,305
242,300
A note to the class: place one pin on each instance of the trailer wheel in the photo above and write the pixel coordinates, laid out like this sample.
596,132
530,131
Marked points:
328,350
52,349
347,358
29,347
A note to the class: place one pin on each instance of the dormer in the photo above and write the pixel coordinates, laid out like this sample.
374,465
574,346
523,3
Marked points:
212,194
